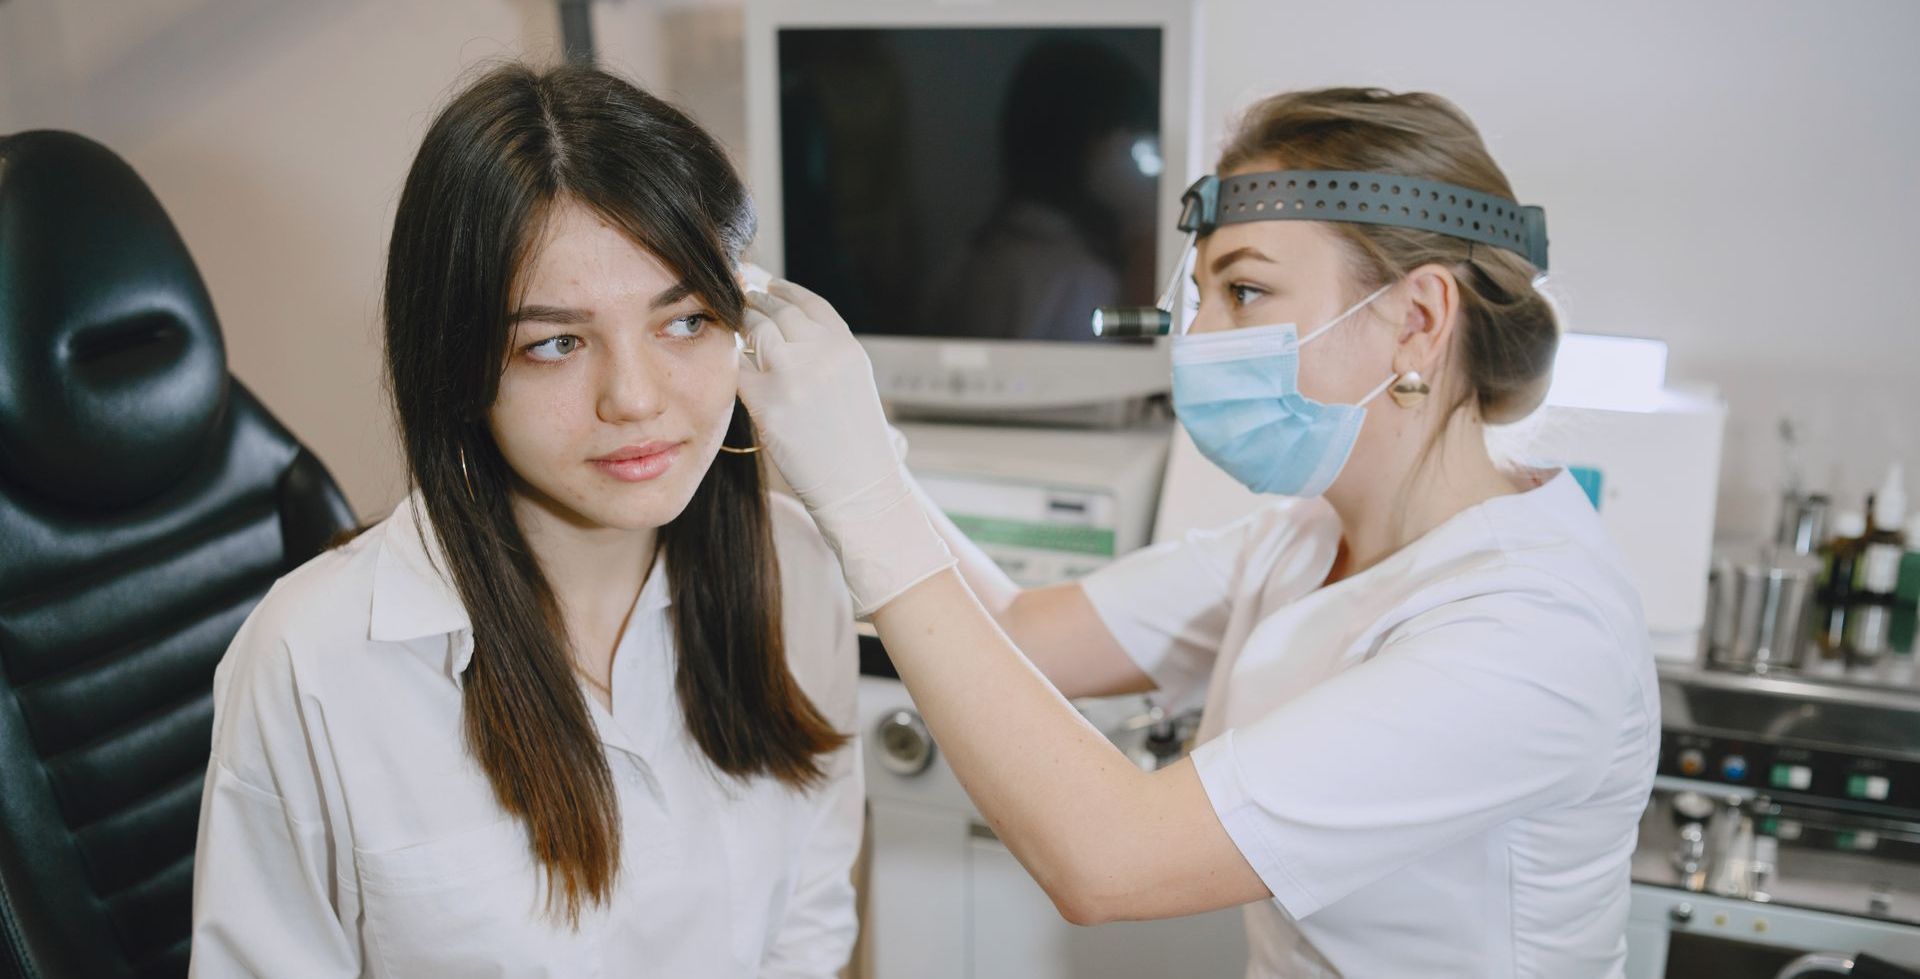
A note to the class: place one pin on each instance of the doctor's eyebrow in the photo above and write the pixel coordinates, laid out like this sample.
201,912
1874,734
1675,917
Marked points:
1234,256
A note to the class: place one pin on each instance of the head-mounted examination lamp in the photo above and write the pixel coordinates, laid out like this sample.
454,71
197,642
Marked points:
1333,195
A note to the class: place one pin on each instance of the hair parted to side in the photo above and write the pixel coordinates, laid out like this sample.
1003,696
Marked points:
1509,330
489,171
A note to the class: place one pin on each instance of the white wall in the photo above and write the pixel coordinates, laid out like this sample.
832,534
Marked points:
1736,178
1739,179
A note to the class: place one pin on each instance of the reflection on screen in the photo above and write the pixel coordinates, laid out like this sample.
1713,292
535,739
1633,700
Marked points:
971,182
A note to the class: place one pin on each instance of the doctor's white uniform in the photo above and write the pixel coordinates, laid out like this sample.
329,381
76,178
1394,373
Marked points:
1437,765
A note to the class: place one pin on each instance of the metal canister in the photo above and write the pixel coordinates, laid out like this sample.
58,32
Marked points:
1769,601
1803,522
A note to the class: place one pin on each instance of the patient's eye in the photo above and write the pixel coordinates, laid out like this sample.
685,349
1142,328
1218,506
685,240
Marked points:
553,349
688,327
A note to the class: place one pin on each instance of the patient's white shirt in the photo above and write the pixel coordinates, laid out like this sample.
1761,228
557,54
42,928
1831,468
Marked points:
347,831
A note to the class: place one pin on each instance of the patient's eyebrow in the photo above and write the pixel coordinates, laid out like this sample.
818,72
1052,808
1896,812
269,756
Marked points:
563,315
569,315
670,295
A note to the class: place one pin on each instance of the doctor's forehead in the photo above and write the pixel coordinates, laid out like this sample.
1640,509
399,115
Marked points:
1299,247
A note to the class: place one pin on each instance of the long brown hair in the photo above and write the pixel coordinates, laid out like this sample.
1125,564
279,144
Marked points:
489,171
1509,330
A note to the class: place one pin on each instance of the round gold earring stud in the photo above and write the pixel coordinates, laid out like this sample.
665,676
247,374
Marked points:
1409,390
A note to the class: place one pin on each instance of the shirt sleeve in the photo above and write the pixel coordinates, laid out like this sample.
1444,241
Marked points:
1167,605
1476,713
260,890
265,897
815,937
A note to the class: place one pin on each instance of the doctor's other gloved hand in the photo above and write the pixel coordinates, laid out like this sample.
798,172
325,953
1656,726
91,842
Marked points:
809,387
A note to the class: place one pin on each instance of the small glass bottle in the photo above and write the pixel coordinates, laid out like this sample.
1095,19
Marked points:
1876,575
1836,588
1906,595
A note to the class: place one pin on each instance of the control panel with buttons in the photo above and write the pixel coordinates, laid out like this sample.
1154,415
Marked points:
1851,777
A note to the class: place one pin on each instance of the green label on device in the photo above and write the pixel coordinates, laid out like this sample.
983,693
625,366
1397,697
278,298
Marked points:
1039,536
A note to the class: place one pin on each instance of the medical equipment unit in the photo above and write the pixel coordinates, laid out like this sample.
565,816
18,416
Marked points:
966,182
1047,505
946,900
1785,820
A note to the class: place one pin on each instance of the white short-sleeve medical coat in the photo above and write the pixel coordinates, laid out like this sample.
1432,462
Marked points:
1437,765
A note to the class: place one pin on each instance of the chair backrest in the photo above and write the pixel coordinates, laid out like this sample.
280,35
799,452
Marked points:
147,501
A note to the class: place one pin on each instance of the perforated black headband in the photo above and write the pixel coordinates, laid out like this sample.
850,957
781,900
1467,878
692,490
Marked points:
1334,195
1367,198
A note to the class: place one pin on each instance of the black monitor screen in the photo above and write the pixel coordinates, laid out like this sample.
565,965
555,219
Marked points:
994,183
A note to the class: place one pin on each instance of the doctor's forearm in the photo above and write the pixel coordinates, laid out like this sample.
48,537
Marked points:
1055,790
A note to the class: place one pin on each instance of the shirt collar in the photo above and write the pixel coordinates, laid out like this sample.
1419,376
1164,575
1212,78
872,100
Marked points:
414,597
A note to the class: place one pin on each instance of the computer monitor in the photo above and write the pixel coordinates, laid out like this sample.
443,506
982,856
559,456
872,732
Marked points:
966,184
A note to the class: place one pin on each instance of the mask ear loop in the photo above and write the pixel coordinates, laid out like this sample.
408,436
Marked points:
1337,320
1356,307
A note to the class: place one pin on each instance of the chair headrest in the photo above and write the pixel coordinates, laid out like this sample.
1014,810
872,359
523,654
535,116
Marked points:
112,370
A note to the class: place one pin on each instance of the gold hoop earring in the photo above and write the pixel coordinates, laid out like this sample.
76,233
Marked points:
1410,390
739,409
465,476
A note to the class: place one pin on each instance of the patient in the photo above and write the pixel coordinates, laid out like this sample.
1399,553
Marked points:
573,709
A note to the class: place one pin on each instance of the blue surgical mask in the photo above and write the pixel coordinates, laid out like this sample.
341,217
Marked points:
1237,392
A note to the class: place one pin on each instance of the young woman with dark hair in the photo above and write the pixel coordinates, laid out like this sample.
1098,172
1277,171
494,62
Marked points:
576,707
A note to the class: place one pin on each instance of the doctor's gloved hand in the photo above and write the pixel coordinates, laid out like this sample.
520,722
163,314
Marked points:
810,388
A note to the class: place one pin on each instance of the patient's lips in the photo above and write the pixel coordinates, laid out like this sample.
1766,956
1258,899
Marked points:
639,463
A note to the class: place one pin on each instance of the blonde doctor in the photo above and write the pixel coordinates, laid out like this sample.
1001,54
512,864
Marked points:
1431,716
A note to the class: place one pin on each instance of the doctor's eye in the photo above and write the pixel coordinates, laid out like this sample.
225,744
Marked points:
1244,295
553,349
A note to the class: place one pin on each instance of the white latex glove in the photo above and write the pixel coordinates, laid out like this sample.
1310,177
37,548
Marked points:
810,389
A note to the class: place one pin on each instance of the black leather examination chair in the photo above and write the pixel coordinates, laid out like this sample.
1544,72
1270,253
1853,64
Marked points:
147,501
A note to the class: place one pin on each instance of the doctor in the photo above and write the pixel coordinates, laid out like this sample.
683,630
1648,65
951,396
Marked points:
1431,715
